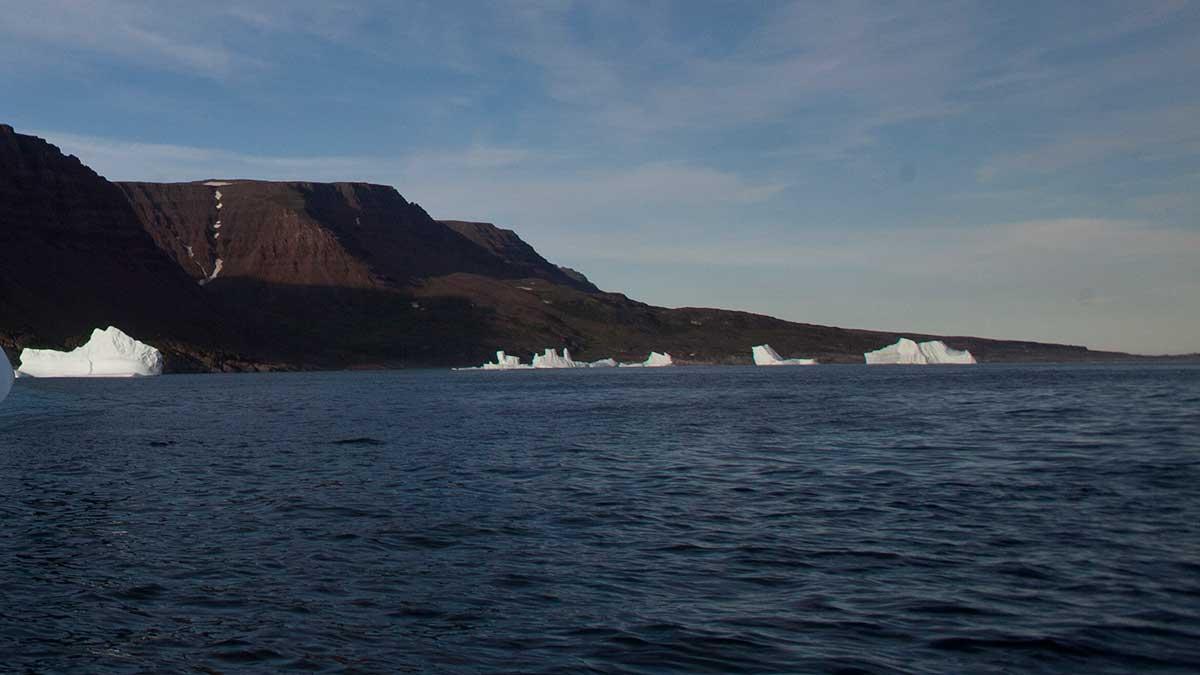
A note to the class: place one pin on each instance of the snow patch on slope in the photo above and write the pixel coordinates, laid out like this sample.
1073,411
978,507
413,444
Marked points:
216,270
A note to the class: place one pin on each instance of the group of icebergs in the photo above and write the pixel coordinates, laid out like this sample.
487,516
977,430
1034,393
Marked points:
112,353
907,352
550,358
109,353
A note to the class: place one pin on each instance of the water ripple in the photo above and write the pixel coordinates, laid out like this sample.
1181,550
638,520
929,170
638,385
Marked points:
840,520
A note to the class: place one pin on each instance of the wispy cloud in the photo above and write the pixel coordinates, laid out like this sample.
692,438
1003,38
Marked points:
883,67
1168,131
181,39
472,181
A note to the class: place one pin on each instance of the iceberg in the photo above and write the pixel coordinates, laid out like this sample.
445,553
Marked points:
765,356
936,351
656,360
109,353
907,352
6,375
551,359
505,362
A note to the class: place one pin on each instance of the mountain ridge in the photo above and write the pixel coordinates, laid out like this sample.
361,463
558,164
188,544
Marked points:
243,274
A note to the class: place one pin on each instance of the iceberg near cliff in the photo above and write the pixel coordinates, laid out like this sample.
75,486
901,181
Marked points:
907,352
656,360
505,362
765,356
550,358
109,353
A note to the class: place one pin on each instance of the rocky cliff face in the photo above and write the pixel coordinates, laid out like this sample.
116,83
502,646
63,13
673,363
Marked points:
74,257
340,235
335,274
519,259
238,274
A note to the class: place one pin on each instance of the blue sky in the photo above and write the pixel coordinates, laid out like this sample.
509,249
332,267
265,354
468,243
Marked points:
1005,169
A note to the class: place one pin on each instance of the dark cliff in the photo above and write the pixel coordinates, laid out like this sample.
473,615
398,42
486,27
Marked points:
519,258
74,256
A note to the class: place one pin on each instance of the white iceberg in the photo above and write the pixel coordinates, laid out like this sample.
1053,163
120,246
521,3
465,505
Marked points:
504,362
109,353
551,359
907,352
656,360
6,375
936,351
765,356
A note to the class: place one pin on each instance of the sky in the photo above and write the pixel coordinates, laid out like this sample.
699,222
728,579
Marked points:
1023,170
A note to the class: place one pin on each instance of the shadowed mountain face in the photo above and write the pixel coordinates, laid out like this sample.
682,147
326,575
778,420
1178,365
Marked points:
518,257
236,274
74,256
345,235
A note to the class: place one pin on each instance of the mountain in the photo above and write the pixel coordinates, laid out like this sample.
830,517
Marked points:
239,274
74,257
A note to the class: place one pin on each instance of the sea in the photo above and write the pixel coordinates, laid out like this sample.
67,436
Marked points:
830,519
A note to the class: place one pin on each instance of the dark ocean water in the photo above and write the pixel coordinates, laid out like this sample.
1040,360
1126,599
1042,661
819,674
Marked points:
831,519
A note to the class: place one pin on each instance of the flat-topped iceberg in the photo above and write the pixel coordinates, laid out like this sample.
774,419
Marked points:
907,352
6,375
656,360
109,353
604,363
765,356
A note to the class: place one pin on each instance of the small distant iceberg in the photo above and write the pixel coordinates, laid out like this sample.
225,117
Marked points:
6,375
551,359
109,353
656,360
765,356
907,352
504,362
